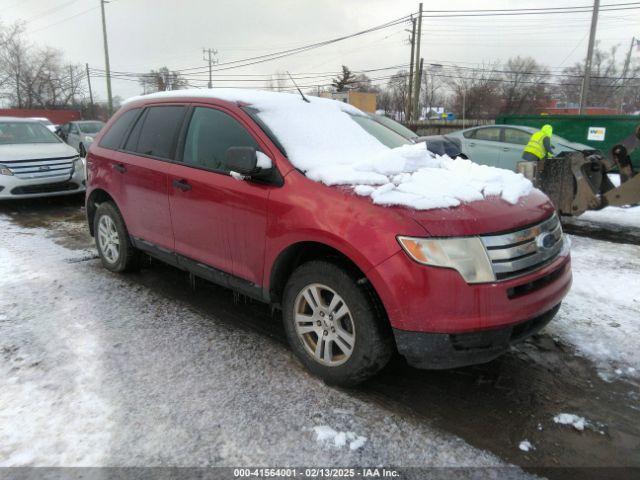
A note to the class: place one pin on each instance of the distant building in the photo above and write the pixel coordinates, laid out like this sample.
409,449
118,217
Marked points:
365,101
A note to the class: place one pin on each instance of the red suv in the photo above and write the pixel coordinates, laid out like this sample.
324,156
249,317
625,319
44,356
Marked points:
207,182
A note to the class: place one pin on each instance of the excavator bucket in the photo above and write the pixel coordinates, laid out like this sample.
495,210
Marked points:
578,182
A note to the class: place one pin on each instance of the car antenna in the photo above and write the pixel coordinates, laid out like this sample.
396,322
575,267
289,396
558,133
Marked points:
300,91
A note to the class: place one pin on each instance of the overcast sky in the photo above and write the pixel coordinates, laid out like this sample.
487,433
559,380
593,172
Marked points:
146,34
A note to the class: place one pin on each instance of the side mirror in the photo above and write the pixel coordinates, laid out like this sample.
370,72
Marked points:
243,160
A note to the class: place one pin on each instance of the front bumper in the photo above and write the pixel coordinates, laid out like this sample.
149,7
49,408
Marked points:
12,187
418,298
443,350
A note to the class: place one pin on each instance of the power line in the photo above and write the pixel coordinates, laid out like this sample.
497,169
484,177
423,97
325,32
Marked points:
479,13
49,11
64,19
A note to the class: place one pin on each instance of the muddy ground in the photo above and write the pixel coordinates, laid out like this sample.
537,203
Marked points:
491,407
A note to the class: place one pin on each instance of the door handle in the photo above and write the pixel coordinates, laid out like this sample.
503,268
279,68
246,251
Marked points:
472,144
505,149
119,167
182,185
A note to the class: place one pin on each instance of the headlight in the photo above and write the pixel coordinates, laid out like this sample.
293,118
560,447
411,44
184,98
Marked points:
88,139
5,171
466,255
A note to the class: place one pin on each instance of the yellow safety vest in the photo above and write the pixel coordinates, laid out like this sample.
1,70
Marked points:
536,145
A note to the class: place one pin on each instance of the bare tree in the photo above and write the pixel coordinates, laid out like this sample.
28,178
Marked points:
32,77
432,93
476,92
607,87
523,87
362,83
277,82
396,93
161,80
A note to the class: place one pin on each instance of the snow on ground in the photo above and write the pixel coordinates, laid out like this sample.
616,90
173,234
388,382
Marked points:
526,446
326,435
100,370
321,138
575,421
619,216
622,216
600,317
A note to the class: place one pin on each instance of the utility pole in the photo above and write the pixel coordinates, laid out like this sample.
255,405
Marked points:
625,70
416,82
419,88
107,68
409,105
93,112
464,107
584,94
210,52
73,96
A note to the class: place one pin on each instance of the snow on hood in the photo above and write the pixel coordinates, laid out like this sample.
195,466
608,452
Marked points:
322,140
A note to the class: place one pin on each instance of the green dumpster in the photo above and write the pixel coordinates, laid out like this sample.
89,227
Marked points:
598,131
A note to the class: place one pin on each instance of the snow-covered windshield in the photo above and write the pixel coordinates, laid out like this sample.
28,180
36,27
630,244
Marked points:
322,139
12,133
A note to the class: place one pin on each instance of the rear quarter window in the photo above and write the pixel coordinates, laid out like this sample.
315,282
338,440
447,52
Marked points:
113,138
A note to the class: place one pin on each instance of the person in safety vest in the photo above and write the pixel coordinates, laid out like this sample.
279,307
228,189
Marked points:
539,146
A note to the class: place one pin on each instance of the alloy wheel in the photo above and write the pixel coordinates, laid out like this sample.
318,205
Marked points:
324,324
108,239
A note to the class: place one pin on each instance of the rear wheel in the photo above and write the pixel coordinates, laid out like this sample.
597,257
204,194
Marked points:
333,325
112,240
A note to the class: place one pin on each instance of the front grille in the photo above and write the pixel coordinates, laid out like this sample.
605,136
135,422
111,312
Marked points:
42,168
523,251
45,188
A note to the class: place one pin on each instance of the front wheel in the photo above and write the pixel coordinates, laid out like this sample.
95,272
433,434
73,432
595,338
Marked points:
333,325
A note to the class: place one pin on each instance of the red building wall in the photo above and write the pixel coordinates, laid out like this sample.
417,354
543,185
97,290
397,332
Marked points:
56,116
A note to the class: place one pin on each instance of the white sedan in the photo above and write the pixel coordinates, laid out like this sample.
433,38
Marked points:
34,162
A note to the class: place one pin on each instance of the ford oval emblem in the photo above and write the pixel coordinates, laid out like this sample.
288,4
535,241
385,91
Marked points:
545,241
44,168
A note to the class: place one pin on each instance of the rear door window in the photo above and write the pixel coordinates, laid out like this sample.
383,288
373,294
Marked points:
211,132
158,131
512,135
114,137
491,134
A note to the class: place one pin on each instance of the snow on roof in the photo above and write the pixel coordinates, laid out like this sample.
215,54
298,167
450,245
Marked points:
322,140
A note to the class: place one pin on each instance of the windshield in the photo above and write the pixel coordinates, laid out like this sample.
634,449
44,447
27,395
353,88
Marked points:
395,126
381,133
91,127
25,132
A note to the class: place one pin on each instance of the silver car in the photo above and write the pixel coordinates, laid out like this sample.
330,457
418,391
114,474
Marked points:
80,134
34,162
502,145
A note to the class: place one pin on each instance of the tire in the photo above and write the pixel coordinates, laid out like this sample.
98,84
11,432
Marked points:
112,240
362,330
82,151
